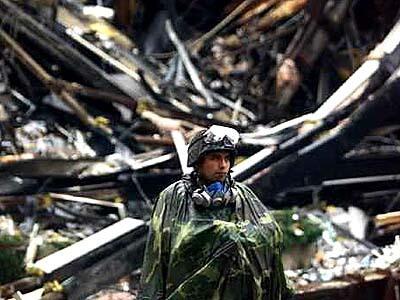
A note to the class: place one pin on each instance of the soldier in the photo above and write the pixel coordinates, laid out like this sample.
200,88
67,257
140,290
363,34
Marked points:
211,237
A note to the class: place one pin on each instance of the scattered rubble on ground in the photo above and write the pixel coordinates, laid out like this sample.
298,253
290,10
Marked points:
95,113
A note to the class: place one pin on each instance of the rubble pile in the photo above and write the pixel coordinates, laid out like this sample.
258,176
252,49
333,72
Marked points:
98,103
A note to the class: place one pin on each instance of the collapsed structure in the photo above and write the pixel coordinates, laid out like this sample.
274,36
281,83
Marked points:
94,125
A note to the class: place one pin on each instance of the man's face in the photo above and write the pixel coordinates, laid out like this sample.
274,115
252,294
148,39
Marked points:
214,166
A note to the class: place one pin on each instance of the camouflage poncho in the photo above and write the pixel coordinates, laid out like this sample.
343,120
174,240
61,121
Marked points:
232,252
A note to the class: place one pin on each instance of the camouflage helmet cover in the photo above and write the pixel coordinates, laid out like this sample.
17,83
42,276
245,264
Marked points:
216,138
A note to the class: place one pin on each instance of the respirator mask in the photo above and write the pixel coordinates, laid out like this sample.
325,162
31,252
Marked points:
216,194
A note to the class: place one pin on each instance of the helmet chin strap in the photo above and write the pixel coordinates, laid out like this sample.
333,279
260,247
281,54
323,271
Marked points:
200,181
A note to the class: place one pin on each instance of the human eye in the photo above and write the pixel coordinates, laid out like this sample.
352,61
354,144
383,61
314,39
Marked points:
215,157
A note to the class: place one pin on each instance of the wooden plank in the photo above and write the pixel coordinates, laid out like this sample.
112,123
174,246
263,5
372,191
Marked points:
107,271
70,260
374,286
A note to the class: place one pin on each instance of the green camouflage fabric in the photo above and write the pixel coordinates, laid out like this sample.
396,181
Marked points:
232,252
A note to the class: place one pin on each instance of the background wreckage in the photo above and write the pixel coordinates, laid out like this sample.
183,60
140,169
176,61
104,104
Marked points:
94,123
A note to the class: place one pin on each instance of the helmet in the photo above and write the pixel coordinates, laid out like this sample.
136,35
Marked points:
216,138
